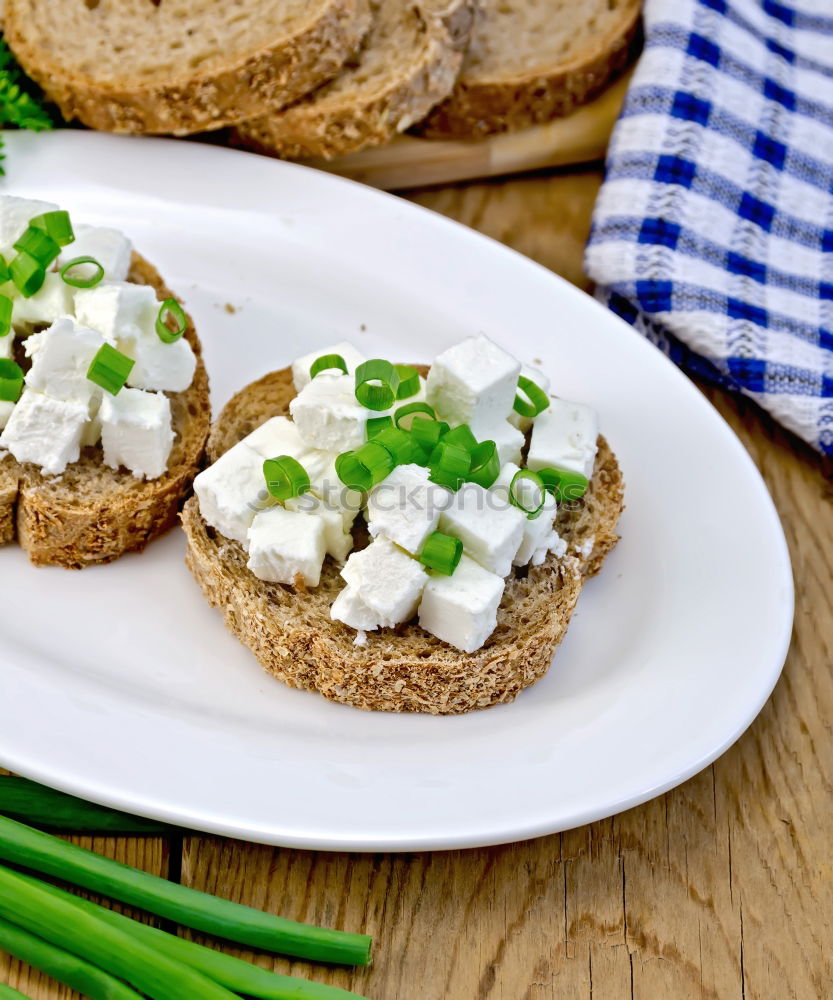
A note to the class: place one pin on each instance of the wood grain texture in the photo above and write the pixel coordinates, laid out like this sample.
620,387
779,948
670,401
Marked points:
722,888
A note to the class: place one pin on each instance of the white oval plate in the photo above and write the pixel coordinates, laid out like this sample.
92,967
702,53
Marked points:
121,685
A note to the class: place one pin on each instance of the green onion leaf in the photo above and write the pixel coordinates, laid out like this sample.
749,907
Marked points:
408,410
39,245
5,272
399,443
408,381
377,382
81,280
171,308
326,363
428,432
533,401
485,464
6,992
441,553
461,436
285,477
527,492
110,369
449,465
56,225
27,274
362,469
564,484
11,380
376,425
6,306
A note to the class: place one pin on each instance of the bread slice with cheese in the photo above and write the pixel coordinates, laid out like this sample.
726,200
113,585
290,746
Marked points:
180,66
92,513
408,63
529,61
403,669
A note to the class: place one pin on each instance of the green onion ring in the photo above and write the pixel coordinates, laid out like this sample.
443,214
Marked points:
11,380
77,281
565,485
326,363
485,464
55,224
170,307
377,382
461,436
428,432
449,465
401,412
408,381
27,274
399,443
375,425
110,369
536,399
515,498
362,469
441,553
285,477
39,245
5,272
6,306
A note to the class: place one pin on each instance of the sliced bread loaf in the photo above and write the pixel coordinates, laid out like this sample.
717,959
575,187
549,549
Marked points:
94,514
180,66
532,60
409,62
406,669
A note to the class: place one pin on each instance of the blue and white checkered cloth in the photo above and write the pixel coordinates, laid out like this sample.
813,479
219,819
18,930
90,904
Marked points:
713,231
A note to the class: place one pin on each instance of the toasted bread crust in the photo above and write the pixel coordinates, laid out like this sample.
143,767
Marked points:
58,527
250,83
403,669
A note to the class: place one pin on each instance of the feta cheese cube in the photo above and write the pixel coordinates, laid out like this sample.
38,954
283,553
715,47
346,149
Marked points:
15,214
564,437
51,301
45,431
161,366
508,439
302,365
350,609
473,382
543,382
539,535
61,357
324,483
7,345
491,531
276,436
386,579
231,491
92,429
406,507
328,415
461,609
5,412
110,247
136,432
337,538
285,544
119,310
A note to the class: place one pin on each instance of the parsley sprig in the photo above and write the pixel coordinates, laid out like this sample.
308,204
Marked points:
21,104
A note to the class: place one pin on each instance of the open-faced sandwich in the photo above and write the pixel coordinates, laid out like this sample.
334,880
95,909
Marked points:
485,502
103,395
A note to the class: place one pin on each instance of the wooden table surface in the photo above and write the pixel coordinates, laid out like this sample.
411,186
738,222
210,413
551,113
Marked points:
722,888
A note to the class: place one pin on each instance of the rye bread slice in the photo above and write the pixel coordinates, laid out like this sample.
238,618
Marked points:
94,514
407,64
528,62
180,66
403,669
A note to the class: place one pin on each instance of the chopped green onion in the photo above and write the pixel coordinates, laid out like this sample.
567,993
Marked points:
27,274
485,464
171,308
408,410
564,484
39,245
362,469
285,477
427,433
326,363
79,281
110,369
62,965
11,380
5,272
408,381
449,465
398,443
461,436
7,993
376,425
527,492
6,306
21,845
441,553
377,382
533,401
56,225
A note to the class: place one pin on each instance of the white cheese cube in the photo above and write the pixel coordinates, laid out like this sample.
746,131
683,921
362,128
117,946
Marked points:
161,366
284,545
136,432
110,247
564,437
61,357
337,538
508,439
276,436
119,310
329,416
406,507
461,609
539,535
473,382
491,530
231,491
7,345
301,366
386,579
15,214
543,383
324,483
92,429
349,608
45,431
5,412
51,301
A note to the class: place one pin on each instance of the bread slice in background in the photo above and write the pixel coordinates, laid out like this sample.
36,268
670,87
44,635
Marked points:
404,669
180,66
92,513
529,61
407,64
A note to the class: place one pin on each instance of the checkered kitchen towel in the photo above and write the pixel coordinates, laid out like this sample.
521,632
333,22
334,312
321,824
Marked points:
713,231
